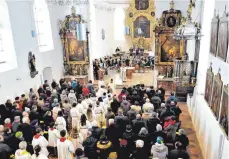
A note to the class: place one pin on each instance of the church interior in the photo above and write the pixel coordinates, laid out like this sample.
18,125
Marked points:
93,71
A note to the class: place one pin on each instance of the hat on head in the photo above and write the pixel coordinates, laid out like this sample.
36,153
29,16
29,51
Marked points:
160,140
34,122
18,134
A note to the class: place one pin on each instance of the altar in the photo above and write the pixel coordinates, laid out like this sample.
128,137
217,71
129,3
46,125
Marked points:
167,49
83,80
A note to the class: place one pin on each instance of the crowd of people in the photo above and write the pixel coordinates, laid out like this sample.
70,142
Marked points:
67,120
116,62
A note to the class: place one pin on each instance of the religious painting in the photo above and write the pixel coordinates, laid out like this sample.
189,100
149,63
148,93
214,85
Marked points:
76,51
216,95
152,14
142,27
223,38
224,110
208,85
141,21
214,35
171,21
170,48
141,4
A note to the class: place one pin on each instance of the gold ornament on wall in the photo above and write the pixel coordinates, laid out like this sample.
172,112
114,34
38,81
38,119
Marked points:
140,18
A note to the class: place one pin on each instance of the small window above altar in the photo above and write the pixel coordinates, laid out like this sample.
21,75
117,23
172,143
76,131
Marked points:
43,26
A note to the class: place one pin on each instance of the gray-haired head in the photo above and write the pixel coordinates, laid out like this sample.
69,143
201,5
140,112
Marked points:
143,131
159,127
181,131
163,105
22,145
138,116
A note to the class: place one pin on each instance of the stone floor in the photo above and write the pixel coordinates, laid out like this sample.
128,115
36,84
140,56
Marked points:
193,148
146,78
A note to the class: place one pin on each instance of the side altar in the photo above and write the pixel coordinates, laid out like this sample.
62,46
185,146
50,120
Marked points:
74,38
167,49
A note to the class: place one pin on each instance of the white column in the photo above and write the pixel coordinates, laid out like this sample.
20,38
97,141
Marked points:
208,13
92,38
191,44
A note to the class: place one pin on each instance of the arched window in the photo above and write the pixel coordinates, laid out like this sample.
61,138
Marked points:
8,59
119,24
43,26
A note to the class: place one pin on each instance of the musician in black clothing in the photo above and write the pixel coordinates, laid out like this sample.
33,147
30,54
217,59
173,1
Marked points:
96,69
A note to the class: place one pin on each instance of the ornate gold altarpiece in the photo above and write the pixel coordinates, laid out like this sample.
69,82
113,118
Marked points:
141,14
76,52
168,49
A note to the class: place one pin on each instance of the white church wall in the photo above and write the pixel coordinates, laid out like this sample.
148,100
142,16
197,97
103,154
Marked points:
103,20
211,137
18,81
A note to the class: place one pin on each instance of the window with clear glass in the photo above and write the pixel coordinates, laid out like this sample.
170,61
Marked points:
8,58
119,24
43,26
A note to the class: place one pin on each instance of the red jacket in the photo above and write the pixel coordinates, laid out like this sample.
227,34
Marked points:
170,121
85,91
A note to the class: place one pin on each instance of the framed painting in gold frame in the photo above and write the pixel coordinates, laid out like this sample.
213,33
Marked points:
169,49
223,120
223,37
140,18
216,95
76,51
214,34
208,86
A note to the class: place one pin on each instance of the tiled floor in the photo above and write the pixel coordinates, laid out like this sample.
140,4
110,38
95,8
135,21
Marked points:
194,148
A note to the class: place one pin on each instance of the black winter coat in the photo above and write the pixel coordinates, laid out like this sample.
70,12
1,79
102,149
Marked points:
27,131
137,125
175,154
96,132
152,123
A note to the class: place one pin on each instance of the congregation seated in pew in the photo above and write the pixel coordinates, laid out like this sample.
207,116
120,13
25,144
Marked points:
64,122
